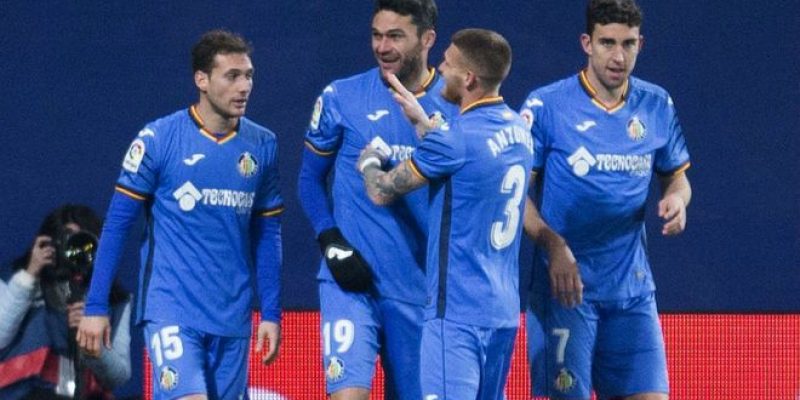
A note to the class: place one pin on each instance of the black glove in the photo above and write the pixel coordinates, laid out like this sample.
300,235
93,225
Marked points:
348,268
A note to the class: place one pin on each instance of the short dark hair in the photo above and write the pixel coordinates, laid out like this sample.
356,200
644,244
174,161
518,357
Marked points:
487,52
216,42
604,12
423,12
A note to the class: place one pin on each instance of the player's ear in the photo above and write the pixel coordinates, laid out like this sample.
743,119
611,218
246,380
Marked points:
428,39
201,80
471,80
586,44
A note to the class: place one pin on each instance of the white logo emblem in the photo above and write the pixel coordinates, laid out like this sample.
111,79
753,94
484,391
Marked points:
337,253
534,102
194,159
581,160
147,132
585,125
315,115
377,115
431,397
187,196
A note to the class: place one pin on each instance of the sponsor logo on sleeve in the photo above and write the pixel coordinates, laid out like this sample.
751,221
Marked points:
134,156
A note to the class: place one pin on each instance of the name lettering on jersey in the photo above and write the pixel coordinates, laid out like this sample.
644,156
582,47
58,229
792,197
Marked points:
508,136
585,125
377,115
146,132
193,159
634,164
134,156
188,196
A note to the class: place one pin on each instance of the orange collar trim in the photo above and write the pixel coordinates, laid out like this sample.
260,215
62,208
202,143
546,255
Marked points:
423,89
205,132
486,101
592,92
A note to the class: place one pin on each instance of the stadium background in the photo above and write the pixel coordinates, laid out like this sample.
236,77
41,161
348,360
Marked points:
80,78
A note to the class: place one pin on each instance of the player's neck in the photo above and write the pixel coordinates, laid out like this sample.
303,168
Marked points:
417,81
212,120
472,97
608,96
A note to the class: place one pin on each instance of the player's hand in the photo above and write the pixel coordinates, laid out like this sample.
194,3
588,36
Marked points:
565,278
376,153
271,333
75,313
672,209
92,332
411,107
350,271
42,254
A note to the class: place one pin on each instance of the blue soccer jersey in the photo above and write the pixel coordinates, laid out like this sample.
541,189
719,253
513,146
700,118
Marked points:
596,164
347,116
478,171
202,191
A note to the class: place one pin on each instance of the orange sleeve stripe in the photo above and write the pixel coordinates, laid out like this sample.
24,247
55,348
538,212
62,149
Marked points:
134,195
677,171
271,213
414,169
316,150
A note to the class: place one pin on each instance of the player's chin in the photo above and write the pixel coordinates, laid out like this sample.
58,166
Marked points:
237,110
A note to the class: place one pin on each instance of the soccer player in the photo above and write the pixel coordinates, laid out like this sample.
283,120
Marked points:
600,135
371,279
478,169
207,178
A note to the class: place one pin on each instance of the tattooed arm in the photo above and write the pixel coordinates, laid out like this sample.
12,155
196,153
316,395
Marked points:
383,187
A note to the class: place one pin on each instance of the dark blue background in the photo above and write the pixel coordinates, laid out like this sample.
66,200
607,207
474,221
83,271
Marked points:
79,79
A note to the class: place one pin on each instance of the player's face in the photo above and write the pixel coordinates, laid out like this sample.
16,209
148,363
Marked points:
228,86
612,51
454,73
396,46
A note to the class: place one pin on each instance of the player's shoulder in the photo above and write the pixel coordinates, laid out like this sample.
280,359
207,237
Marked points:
357,83
165,126
555,90
640,88
252,128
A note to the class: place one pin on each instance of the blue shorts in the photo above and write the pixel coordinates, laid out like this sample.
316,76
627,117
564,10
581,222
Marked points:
464,361
614,346
186,361
355,328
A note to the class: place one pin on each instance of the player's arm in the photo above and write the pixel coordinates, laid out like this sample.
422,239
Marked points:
383,187
94,328
268,255
565,278
348,268
676,193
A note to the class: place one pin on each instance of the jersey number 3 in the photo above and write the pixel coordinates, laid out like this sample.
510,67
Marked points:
504,232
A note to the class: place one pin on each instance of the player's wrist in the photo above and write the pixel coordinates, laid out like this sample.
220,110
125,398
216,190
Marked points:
330,236
369,162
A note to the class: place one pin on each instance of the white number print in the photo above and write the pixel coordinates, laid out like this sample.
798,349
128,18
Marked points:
504,232
563,337
166,344
343,332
